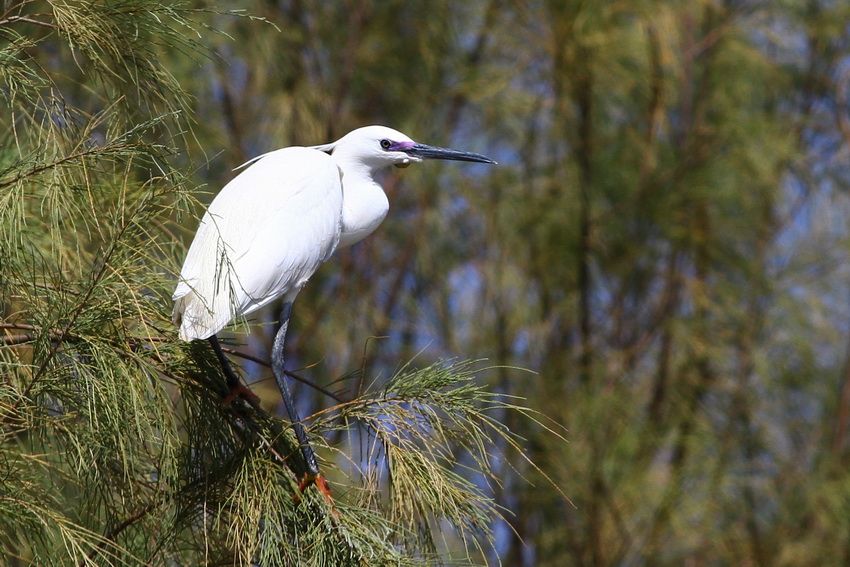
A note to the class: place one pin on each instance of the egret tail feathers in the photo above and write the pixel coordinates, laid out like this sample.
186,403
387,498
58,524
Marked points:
195,319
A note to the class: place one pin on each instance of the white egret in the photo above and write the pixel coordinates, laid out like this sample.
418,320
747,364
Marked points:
270,228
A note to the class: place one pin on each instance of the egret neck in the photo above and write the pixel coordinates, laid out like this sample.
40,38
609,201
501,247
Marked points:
364,203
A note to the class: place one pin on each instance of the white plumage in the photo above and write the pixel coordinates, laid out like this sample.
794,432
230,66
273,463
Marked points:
262,237
268,230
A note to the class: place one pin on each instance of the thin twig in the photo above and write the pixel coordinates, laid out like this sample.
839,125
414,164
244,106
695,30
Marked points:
46,166
292,375
13,19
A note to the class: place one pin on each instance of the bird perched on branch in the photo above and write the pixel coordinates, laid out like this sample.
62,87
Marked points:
268,231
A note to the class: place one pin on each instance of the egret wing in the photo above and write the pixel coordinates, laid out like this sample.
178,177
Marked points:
263,236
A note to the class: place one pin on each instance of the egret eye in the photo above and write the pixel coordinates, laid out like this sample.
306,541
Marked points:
386,144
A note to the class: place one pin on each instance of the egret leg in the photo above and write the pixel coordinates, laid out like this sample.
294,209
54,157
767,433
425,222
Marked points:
234,384
280,377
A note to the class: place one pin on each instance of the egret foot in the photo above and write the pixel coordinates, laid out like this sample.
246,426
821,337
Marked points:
317,479
236,389
242,392
321,485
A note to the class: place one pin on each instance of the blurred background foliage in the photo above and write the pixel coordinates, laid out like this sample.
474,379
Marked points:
664,244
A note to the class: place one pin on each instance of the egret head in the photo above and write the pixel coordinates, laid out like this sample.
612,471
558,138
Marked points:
378,147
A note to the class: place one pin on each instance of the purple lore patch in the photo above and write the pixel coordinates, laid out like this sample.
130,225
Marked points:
401,146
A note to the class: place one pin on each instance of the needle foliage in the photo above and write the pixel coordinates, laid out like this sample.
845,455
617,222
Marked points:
115,446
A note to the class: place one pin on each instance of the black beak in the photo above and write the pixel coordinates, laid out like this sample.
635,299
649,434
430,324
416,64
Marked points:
431,152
